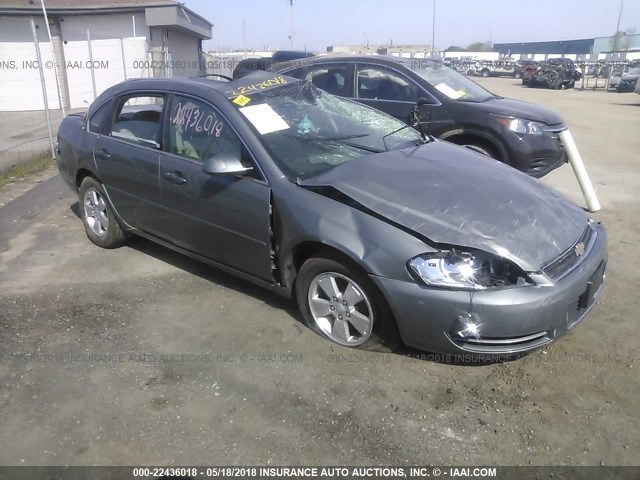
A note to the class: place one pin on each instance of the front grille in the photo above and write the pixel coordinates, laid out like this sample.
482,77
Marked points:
556,128
570,259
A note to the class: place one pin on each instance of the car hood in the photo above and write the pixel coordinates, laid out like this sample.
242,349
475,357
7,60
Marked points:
452,196
517,108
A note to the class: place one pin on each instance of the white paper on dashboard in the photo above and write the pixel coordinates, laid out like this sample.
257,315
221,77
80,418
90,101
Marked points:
448,91
264,118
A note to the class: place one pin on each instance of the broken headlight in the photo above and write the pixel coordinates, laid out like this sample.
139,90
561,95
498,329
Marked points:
460,270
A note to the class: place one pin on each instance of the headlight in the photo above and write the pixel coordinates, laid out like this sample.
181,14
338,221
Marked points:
523,127
460,270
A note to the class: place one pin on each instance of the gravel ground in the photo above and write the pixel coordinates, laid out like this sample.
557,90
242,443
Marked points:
142,356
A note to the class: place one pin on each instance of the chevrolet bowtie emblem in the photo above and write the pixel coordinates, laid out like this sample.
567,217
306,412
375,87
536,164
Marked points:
579,249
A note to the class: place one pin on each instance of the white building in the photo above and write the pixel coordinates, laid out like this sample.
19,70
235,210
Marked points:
96,44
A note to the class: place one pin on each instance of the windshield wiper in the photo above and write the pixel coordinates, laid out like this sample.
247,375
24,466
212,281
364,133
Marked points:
493,97
345,137
342,140
328,139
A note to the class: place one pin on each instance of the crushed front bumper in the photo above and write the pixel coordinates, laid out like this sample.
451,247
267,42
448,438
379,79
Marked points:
506,321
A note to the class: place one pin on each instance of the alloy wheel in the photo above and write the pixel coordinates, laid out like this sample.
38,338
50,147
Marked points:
95,212
340,308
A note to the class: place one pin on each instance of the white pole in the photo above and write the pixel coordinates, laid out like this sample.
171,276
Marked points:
93,73
433,30
55,64
580,171
133,18
124,63
293,31
244,41
43,85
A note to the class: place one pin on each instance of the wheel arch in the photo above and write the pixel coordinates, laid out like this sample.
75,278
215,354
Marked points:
464,136
309,248
81,174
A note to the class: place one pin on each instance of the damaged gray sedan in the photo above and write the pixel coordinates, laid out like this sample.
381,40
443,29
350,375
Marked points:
381,234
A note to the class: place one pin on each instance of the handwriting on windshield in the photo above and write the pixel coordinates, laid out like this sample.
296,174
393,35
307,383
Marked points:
256,87
191,117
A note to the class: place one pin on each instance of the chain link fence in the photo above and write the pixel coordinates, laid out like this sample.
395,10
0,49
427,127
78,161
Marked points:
27,84
50,69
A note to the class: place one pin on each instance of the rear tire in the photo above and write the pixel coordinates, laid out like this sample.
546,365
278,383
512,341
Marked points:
517,75
99,221
486,73
337,300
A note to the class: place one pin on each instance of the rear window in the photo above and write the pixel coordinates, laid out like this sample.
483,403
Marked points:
138,120
99,121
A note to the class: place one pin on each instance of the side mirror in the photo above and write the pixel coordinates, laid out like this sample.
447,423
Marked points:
224,165
422,101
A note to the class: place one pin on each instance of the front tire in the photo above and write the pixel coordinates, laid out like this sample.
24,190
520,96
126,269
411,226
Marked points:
479,146
100,223
340,302
486,73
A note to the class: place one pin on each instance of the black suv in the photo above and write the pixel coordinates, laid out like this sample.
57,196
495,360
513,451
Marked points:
249,65
555,73
521,134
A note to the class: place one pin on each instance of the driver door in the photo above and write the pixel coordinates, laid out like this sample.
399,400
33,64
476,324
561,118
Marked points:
221,217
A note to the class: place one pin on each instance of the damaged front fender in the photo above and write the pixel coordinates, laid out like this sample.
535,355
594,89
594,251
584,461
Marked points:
307,221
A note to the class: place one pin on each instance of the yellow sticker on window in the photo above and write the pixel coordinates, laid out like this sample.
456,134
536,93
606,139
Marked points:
241,100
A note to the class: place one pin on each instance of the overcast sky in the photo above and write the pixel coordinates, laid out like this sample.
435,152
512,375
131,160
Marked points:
320,23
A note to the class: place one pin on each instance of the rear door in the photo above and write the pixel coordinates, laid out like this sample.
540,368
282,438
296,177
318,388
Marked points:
221,217
128,157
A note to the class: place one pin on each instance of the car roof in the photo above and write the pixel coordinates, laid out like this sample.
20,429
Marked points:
381,59
165,83
258,78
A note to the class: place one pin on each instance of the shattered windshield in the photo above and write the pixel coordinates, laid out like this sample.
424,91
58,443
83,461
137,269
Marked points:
309,131
449,82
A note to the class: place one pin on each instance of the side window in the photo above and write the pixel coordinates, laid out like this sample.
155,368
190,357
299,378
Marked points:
198,131
330,78
138,120
299,73
379,83
100,119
